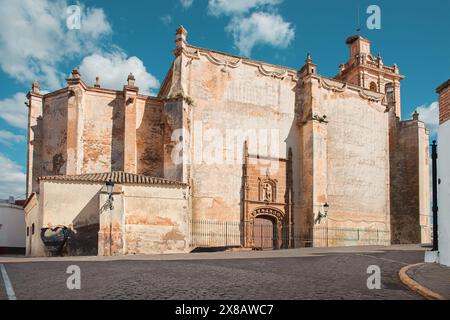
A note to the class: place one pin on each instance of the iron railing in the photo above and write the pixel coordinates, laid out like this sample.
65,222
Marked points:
210,233
324,236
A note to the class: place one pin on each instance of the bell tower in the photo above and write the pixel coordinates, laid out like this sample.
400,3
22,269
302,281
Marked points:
369,72
358,46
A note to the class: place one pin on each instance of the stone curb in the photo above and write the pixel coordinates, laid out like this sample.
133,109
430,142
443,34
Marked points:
417,287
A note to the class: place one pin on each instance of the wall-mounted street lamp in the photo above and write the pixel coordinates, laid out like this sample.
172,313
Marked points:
109,190
323,213
326,206
109,203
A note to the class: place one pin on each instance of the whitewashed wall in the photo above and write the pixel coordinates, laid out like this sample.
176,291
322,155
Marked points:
444,193
12,230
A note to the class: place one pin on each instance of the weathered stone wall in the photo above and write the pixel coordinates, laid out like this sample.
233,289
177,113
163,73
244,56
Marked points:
230,97
34,244
79,212
424,194
156,219
149,138
176,135
34,147
103,132
354,147
409,183
54,135
306,164
144,219
344,162
96,142
357,158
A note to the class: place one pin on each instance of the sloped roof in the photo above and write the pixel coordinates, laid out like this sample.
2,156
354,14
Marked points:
115,176
353,38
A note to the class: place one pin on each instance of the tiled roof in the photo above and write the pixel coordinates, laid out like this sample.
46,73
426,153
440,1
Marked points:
115,176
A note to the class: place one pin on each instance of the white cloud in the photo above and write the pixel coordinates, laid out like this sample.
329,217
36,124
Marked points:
166,19
34,38
14,111
186,3
113,70
35,41
260,28
8,138
430,116
254,22
12,179
234,7
95,23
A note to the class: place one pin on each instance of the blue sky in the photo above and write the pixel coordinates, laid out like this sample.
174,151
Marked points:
119,37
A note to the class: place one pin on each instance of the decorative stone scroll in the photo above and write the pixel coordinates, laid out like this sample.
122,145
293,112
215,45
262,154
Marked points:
280,73
268,211
333,86
273,74
340,87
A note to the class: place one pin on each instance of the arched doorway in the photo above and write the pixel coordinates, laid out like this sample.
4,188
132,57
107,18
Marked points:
263,228
264,233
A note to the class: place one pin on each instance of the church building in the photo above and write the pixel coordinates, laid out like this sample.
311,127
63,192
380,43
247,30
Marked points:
230,153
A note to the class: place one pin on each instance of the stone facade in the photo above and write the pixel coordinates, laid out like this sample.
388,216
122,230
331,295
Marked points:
410,167
248,140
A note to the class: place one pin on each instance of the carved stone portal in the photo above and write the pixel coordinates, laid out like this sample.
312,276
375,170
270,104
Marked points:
267,202
275,216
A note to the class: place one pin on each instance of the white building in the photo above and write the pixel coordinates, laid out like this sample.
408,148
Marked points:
12,227
444,173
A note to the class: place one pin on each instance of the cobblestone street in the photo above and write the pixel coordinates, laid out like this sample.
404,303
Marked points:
291,274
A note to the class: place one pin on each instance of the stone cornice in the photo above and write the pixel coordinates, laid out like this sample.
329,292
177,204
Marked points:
74,82
386,71
340,87
443,86
98,90
36,95
233,62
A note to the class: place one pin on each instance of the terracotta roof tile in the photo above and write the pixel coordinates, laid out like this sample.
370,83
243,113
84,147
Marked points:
115,176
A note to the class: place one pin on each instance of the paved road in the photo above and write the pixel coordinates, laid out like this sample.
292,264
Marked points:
290,274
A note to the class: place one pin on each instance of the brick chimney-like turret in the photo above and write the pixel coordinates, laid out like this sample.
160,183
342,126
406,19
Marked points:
444,101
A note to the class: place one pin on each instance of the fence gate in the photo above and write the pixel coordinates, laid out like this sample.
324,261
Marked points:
264,234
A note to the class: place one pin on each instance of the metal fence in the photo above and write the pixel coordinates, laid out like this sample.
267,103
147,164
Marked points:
426,234
209,233
332,237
